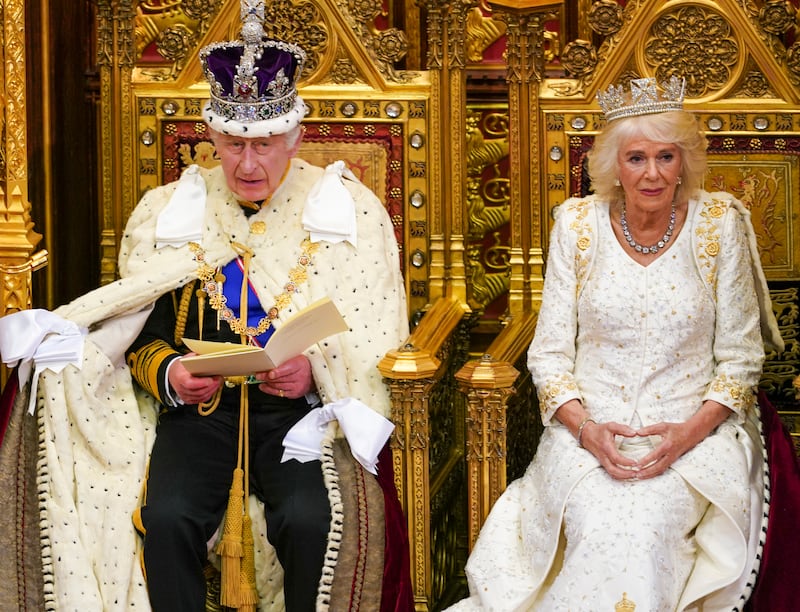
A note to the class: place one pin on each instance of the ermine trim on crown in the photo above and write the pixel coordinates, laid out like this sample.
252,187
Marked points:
643,99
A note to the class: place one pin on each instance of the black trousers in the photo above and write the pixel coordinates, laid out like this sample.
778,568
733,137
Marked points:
189,477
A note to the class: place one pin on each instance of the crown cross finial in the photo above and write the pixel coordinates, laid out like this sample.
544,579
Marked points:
252,15
644,98
251,7
252,34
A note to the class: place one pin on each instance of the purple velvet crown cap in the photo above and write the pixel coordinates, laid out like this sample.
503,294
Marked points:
253,87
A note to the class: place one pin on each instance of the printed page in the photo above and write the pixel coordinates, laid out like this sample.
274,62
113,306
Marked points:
310,325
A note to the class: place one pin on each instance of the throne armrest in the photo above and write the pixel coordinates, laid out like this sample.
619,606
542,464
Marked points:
424,449
488,383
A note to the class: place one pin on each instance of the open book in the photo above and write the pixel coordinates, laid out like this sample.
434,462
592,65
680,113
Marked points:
313,323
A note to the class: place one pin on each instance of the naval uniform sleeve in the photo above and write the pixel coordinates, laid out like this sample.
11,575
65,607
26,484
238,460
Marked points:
155,349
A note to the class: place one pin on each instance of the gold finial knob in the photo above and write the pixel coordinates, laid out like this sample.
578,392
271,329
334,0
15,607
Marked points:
624,604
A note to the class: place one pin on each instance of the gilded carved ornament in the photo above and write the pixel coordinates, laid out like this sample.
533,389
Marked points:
165,21
17,236
486,286
172,28
697,44
793,63
776,16
606,17
774,22
176,44
579,58
488,207
15,152
692,40
385,47
343,71
530,45
754,85
481,32
304,24
457,32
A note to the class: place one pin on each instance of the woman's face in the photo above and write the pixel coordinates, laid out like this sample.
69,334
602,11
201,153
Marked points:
254,167
648,173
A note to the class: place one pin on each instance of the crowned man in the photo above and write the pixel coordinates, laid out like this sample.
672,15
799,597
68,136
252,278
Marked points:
253,474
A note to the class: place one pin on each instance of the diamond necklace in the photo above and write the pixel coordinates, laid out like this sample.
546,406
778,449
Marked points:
647,250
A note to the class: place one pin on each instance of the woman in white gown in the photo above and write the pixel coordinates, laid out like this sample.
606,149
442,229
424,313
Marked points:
647,488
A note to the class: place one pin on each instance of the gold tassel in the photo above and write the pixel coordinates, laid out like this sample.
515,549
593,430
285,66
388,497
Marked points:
236,547
248,599
230,547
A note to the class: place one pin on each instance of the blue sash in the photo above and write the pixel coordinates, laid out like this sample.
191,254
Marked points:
232,289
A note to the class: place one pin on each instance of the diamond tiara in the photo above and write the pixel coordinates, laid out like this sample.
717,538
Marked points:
643,99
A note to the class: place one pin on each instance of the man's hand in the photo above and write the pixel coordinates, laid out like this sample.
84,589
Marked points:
291,379
189,388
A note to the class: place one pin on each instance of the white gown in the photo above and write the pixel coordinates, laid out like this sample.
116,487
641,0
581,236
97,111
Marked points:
638,345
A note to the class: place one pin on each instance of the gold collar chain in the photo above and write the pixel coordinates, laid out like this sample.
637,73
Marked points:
212,280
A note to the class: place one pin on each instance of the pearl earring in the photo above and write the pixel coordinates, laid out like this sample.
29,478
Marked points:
679,181
617,183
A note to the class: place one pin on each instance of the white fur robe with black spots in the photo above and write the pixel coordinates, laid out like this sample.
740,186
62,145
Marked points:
97,427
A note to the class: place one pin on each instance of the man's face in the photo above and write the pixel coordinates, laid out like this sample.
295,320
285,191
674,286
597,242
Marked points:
254,167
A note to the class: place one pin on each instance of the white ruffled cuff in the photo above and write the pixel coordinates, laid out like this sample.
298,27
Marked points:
366,432
36,340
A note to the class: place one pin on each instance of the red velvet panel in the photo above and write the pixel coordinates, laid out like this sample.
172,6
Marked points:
776,588
397,594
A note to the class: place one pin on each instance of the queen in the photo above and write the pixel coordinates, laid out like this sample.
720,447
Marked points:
648,483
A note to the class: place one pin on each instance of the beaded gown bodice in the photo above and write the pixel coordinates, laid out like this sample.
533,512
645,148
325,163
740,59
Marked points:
643,330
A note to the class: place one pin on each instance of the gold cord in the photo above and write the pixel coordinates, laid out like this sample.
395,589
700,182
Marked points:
206,408
236,547
248,593
183,313
245,331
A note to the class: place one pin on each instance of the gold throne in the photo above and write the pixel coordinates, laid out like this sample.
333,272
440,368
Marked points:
433,149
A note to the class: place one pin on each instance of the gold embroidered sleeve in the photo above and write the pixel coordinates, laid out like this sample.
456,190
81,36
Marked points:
551,356
732,393
554,392
738,345
148,365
